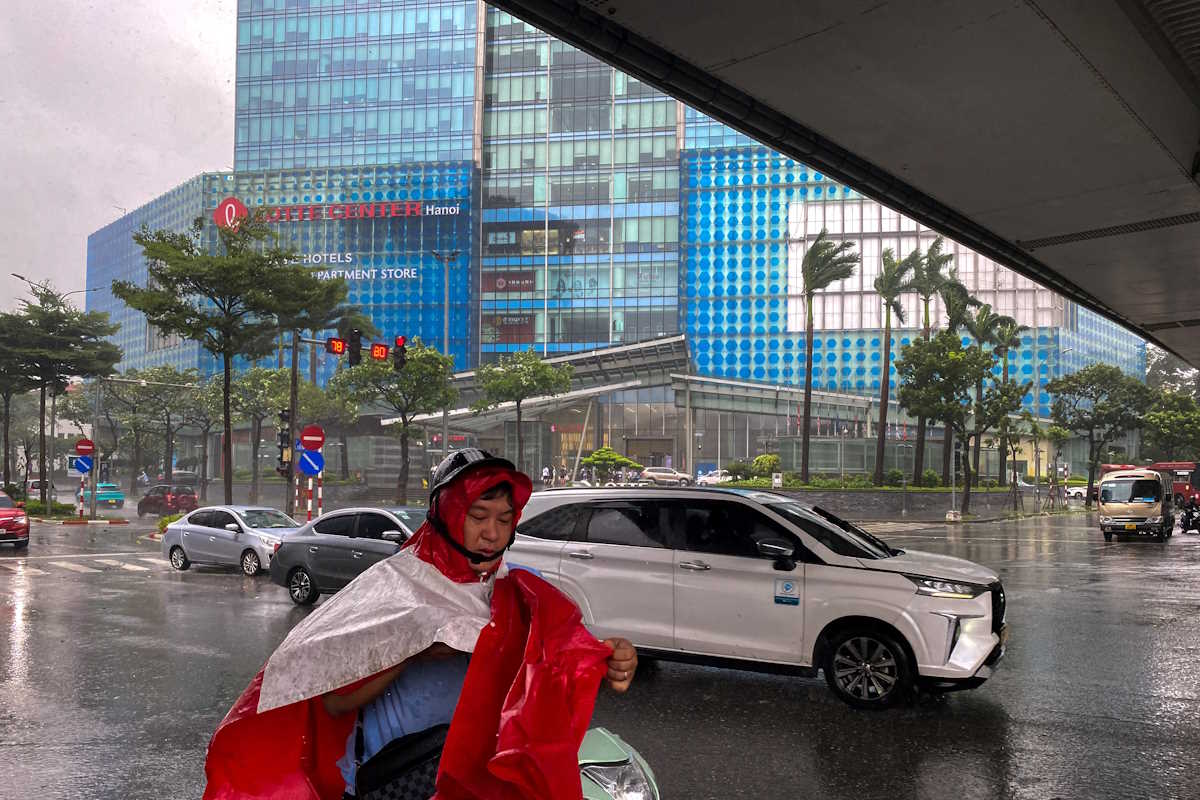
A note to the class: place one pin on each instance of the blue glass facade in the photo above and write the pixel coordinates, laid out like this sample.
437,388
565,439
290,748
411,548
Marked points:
328,84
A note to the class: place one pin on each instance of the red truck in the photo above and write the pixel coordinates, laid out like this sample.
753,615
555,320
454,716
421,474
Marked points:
1182,485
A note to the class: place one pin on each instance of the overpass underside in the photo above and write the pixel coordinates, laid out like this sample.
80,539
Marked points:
1061,139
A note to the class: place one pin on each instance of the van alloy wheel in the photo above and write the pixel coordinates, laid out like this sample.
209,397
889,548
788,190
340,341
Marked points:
866,669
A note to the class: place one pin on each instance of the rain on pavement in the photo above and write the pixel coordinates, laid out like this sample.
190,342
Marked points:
114,671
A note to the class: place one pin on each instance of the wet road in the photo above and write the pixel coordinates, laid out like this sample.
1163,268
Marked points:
114,671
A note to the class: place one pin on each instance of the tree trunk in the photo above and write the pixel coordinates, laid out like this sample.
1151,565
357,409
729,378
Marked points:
227,428
808,354
1093,460
922,423
402,480
255,435
8,459
978,438
204,466
947,450
168,452
312,361
344,440
966,468
520,442
137,456
42,446
1004,432
881,433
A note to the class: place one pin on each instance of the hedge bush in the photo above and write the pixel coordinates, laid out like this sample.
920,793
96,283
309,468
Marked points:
893,477
931,478
35,508
163,522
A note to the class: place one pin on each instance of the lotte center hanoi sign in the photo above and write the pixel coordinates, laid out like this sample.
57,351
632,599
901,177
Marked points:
231,211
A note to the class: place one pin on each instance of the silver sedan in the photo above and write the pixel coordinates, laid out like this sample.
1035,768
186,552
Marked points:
241,536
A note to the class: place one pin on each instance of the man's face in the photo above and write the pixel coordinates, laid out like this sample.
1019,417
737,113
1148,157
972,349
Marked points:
487,529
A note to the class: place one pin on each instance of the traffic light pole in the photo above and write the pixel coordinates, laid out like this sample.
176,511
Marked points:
293,415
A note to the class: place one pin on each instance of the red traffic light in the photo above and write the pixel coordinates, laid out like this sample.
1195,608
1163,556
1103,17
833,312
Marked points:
379,352
401,341
335,346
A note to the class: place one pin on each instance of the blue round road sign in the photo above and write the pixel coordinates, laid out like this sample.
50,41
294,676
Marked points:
83,464
311,462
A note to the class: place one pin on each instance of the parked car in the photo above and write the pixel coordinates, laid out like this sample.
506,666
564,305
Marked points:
665,476
14,523
33,488
108,495
1076,492
164,499
329,552
761,581
243,536
717,476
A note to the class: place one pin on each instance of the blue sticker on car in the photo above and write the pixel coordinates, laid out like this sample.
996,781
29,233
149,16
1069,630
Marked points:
787,592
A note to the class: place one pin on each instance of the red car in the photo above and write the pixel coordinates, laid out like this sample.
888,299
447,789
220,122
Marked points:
14,523
164,499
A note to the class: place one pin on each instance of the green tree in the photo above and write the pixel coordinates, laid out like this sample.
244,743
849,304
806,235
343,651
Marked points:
62,342
14,376
982,326
1007,338
894,280
927,281
1168,372
422,387
957,302
1172,427
515,379
1101,403
936,379
607,463
202,414
334,409
255,395
130,408
825,262
233,298
170,399
766,465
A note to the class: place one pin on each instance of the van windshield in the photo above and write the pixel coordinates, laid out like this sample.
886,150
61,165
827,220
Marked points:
1130,491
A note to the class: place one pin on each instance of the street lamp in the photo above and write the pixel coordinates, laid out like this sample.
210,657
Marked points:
45,286
903,478
446,257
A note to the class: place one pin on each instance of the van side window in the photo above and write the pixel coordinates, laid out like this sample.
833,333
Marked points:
555,524
632,523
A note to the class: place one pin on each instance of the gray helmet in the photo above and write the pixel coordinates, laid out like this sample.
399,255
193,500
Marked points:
459,462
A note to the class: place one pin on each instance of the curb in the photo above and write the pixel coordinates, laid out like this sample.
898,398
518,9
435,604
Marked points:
73,521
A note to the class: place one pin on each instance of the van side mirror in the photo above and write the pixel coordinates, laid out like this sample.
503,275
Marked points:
781,550
399,537
233,526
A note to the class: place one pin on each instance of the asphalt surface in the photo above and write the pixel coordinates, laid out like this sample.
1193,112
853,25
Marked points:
114,671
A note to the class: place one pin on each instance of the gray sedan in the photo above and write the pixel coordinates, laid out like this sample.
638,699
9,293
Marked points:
329,552
242,536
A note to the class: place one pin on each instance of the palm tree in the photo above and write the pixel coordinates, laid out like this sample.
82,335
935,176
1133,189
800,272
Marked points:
1008,337
982,328
825,262
958,302
927,281
893,281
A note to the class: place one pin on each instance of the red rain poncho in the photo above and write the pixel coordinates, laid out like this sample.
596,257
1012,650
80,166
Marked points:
524,708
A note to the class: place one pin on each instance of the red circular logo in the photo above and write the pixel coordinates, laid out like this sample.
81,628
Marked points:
230,212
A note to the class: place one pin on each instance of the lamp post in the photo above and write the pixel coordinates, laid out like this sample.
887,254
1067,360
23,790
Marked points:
903,478
445,257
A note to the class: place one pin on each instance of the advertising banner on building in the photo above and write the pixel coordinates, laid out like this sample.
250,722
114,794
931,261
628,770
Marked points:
508,281
507,328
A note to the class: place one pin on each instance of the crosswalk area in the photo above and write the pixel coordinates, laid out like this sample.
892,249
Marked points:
97,564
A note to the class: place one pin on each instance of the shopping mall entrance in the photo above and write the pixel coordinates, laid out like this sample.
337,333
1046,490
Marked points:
651,452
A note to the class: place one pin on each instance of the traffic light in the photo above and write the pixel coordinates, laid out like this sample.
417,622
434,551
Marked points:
400,353
283,438
354,348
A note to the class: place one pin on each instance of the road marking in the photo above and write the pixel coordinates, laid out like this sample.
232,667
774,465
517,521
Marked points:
86,555
158,562
21,568
72,567
122,564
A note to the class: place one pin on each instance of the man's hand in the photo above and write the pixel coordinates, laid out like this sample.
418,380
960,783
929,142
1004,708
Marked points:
621,665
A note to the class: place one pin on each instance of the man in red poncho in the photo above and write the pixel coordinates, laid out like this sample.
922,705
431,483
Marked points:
392,646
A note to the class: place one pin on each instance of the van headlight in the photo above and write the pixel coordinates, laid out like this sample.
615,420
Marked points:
624,781
1153,520
934,587
1106,520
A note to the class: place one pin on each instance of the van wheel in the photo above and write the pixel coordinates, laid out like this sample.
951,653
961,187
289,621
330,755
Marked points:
1107,536
868,668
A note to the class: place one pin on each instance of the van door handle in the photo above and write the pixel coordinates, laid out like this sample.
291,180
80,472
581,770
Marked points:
582,555
694,566
313,549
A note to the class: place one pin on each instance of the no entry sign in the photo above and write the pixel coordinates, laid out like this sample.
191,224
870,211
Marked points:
85,447
312,437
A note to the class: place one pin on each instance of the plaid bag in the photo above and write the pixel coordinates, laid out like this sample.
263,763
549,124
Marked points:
405,769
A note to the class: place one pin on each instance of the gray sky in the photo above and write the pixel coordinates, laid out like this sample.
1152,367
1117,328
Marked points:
104,105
